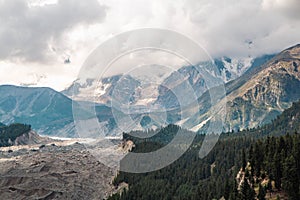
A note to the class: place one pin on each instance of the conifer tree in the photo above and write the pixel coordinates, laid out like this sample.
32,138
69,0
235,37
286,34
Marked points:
247,192
261,192
290,180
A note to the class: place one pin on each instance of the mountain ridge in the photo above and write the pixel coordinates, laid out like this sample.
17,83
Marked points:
259,96
45,109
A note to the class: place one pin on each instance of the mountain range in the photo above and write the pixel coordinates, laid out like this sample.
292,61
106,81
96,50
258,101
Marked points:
257,90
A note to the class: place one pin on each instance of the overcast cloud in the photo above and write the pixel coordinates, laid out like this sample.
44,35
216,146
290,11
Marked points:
36,36
31,33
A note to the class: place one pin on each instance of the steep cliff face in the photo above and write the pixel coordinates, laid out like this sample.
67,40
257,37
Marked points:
267,93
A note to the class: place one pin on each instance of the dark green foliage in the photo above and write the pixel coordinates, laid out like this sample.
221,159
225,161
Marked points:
261,193
9,133
162,136
233,193
244,162
280,163
269,186
247,192
227,189
290,180
213,177
189,177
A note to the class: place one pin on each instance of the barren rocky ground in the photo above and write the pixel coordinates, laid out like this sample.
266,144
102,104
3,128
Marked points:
53,172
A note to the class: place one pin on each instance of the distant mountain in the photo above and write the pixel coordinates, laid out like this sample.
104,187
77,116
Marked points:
92,90
49,112
260,94
98,91
225,69
101,91
142,95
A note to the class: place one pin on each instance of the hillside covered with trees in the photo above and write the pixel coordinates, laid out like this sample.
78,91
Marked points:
8,134
260,163
272,166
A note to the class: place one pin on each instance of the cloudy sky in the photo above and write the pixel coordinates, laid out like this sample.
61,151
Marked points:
38,37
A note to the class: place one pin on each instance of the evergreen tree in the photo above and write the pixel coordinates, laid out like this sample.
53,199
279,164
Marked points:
247,192
258,156
227,190
277,172
261,192
251,159
234,191
290,180
269,186
244,162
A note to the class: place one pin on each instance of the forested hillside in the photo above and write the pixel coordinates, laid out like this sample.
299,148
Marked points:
272,166
8,134
267,157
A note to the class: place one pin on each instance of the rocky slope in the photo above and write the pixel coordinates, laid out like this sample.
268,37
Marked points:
225,70
261,94
267,93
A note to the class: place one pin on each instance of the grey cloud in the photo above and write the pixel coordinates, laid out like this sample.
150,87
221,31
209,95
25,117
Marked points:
289,8
49,35
226,26
26,31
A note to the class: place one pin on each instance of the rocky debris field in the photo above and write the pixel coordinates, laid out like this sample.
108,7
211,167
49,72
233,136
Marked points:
53,172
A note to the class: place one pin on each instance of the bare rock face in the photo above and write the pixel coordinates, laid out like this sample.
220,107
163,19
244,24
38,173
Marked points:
126,145
259,95
54,172
267,93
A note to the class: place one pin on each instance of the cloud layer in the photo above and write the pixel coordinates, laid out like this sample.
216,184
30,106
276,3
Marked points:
38,37
31,33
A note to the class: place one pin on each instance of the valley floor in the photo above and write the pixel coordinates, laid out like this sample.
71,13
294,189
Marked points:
60,170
